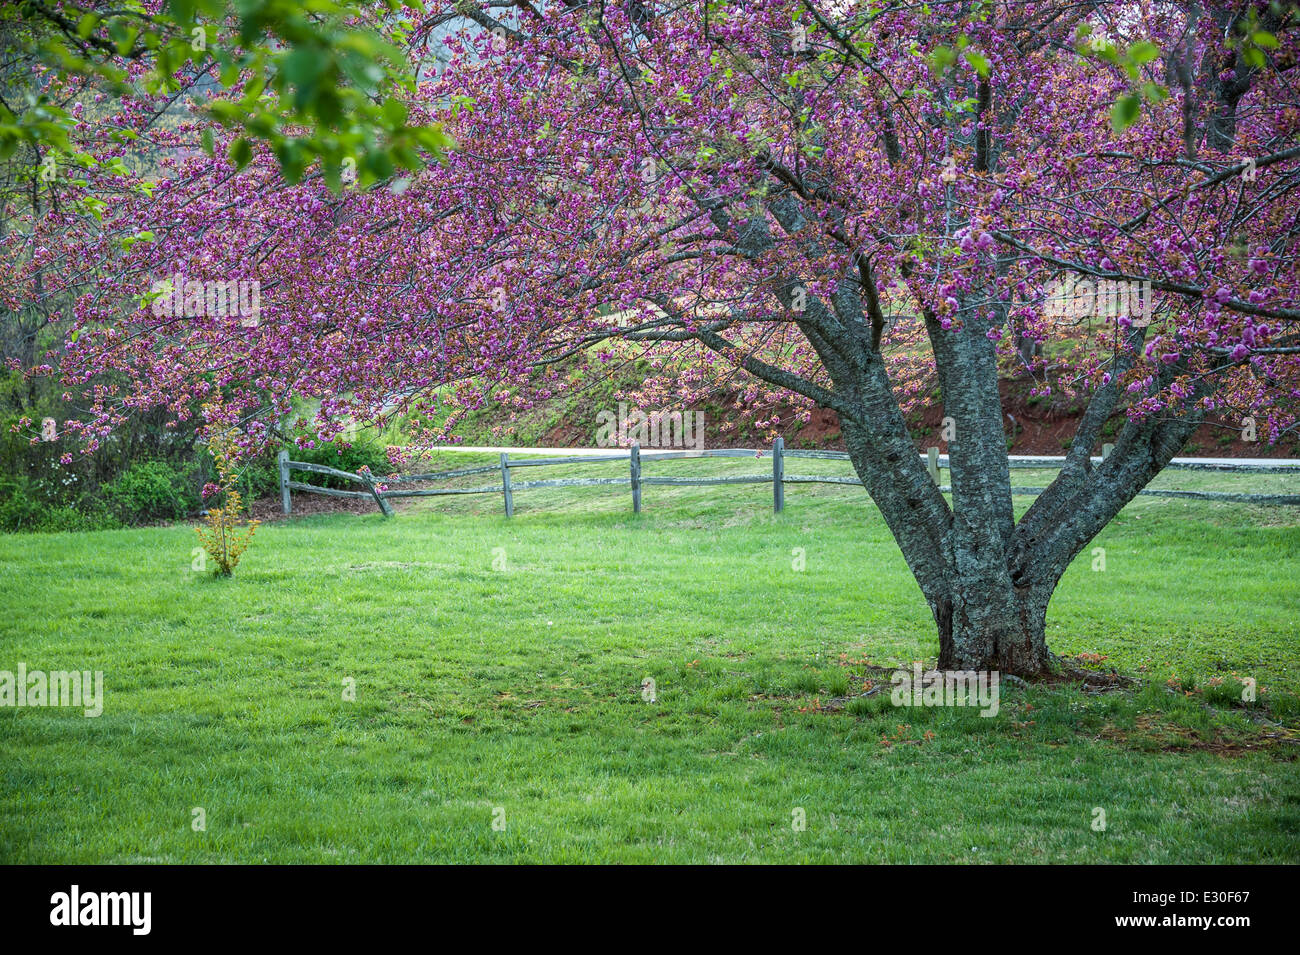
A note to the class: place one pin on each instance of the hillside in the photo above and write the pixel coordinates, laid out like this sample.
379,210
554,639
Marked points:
1033,424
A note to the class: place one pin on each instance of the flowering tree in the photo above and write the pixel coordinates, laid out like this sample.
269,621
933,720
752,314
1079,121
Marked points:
852,203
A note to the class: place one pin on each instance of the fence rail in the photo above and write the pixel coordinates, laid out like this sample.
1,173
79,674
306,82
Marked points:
635,456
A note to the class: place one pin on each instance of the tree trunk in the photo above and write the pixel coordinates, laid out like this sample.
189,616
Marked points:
989,604
1001,630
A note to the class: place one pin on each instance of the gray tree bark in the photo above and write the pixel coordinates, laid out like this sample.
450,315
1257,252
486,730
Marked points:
987,579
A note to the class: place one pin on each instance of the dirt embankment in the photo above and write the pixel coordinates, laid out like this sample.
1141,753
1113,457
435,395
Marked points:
1032,426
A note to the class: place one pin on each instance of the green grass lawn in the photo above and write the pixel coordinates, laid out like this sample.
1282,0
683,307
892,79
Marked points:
514,693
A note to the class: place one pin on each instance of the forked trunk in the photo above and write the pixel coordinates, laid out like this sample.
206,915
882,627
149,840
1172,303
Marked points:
989,616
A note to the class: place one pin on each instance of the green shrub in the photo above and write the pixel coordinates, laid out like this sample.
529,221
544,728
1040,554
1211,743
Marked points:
260,478
22,509
150,491
366,452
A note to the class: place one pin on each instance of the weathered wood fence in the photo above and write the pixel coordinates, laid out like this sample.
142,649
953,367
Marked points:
935,461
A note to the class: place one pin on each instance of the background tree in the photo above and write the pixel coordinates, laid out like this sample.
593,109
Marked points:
92,101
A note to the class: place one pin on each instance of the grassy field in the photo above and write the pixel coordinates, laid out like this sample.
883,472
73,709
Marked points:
498,670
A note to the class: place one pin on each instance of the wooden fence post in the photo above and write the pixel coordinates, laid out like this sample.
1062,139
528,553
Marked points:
368,480
286,503
505,486
932,463
778,475
636,479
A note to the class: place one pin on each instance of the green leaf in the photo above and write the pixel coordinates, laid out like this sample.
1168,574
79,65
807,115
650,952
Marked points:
291,162
978,62
395,112
125,44
1143,52
1125,112
241,153
379,164
1155,92
940,58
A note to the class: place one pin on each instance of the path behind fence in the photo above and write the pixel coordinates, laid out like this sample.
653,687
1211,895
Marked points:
382,490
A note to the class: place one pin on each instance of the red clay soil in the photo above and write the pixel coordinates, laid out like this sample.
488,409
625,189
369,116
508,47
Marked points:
1045,427
268,509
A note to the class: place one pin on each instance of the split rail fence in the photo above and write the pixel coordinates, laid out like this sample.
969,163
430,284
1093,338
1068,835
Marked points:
935,461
